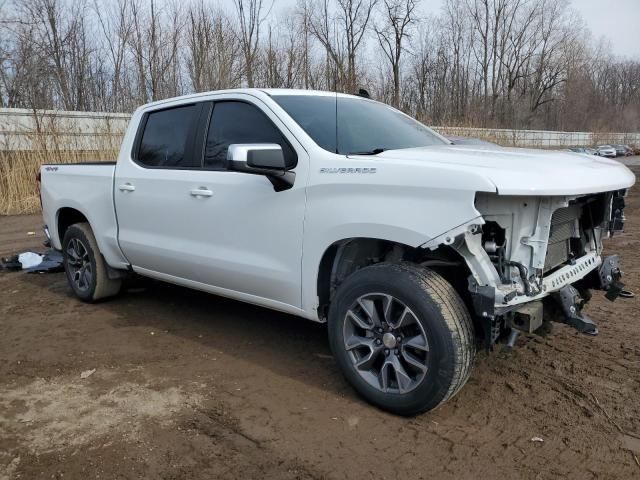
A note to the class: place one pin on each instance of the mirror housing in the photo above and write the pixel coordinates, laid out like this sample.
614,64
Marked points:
261,159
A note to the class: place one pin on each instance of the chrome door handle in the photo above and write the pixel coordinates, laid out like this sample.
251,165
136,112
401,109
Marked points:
201,192
127,187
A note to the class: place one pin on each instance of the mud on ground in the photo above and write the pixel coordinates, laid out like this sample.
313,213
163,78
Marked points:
190,386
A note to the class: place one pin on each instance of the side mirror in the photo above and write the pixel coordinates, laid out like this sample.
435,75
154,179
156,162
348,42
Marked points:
261,159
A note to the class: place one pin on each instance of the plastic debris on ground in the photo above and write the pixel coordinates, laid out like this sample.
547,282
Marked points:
29,259
33,262
87,373
51,263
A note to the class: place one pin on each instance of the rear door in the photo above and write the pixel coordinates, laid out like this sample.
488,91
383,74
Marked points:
153,191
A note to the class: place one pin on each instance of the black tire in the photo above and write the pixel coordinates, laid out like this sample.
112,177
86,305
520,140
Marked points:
436,311
95,283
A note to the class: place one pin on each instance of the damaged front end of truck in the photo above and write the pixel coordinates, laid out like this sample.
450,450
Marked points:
535,259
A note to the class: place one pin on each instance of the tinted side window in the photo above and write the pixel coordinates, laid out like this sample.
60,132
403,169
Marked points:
167,138
239,122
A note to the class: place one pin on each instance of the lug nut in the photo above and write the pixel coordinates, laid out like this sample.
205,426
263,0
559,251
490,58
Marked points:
386,351
378,341
399,339
397,352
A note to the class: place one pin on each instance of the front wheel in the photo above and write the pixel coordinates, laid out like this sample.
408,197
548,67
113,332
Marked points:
402,337
85,268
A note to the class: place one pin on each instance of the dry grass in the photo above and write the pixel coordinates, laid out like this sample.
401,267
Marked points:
49,141
18,170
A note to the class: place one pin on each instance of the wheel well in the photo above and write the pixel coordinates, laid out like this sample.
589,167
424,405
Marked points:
67,217
344,257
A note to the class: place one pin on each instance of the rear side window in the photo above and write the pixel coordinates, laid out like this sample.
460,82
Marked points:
240,122
167,139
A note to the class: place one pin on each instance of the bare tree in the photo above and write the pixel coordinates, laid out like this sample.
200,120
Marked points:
251,14
116,30
550,63
284,57
398,17
154,44
510,63
59,31
341,34
213,50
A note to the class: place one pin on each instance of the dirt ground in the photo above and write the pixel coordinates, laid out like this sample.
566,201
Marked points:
190,386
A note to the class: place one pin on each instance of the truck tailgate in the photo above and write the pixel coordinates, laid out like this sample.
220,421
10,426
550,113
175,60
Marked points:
88,189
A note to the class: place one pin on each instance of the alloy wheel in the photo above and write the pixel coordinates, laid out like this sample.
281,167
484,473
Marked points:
386,343
79,264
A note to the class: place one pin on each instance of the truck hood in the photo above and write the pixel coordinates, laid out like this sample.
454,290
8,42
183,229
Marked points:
519,171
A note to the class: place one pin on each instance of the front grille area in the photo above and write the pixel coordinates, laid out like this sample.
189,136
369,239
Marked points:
564,225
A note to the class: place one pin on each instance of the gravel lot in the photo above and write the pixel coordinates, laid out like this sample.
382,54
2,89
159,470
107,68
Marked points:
189,385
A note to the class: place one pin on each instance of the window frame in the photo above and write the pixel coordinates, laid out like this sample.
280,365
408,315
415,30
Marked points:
190,148
204,133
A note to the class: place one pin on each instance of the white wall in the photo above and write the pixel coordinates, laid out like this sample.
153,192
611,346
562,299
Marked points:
21,129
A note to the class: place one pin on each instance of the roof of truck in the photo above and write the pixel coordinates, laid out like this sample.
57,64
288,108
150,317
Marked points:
252,91
298,91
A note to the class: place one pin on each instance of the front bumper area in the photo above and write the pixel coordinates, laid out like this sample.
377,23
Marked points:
563,295
527,252
566,275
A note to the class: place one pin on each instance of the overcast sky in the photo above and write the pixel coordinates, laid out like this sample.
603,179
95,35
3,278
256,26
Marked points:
617,20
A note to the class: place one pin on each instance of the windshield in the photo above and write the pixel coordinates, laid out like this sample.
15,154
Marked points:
364,126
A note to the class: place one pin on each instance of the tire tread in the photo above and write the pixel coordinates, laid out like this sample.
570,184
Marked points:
105,286
456,316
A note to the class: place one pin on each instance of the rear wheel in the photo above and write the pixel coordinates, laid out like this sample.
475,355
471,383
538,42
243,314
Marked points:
85,268
402,337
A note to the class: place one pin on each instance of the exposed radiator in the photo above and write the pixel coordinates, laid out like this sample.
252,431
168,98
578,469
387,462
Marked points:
564,225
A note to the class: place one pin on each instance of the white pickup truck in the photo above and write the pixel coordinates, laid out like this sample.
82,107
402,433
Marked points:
340,209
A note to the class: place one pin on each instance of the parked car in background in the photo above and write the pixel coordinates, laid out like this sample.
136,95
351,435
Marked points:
471,141
621,150
587,150
607,151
